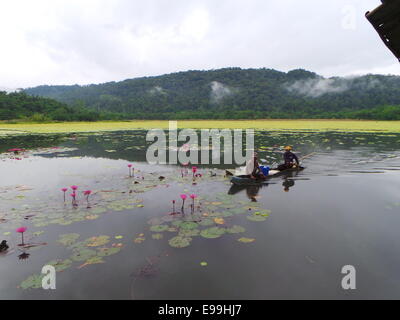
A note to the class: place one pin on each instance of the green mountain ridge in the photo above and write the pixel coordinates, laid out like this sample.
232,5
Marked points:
235,93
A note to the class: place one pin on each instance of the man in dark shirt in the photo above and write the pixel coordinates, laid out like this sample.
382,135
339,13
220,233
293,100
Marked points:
290,159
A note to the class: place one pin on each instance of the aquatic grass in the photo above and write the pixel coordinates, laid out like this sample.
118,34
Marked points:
273,125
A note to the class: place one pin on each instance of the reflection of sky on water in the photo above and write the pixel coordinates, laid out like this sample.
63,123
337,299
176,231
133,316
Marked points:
341,210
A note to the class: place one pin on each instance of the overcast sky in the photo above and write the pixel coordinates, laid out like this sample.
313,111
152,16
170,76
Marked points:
95,41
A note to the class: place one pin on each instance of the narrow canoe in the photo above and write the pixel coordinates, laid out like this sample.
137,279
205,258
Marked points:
246,180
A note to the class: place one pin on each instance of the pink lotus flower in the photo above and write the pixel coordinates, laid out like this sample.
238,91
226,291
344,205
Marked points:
193,196
74,188
64,190
21,230
73,195
183,197
87,193
130,170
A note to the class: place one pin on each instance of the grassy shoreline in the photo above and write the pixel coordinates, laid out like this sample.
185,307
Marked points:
273,125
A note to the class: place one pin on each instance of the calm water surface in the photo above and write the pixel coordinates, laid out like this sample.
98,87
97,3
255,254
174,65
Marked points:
296,232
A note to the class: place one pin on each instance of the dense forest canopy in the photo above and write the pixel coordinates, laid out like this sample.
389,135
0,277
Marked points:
19,105
231,93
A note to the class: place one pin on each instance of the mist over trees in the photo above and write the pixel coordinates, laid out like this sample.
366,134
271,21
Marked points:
230,93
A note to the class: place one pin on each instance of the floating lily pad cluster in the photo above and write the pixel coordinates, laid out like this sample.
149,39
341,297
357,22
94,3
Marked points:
211,220
93,250
44,212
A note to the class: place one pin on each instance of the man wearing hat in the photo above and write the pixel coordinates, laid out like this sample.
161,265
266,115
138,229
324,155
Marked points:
290,159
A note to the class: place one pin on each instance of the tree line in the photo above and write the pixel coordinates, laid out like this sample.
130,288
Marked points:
230,93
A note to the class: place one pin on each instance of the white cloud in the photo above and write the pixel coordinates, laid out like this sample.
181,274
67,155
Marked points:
220,91
319,86
92,41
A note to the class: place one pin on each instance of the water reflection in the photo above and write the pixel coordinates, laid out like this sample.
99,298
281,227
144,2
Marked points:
252,191
287,184
23,255
91,161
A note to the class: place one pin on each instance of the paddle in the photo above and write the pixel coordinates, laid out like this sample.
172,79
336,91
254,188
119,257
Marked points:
306,156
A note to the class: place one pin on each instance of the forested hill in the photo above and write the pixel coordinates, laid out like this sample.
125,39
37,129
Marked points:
19,105
237,93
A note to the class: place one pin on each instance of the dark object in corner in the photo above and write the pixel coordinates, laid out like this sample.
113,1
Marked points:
386,21
3,246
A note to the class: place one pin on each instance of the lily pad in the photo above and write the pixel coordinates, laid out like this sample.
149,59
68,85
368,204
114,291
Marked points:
179,242
212,233
206,222
92,217
97,241
157,236
189,232
246,240
235,229
83,255
33,281
219,220
105,252
93,260
139,239
159,228
68,239
60,265
256,218
188,225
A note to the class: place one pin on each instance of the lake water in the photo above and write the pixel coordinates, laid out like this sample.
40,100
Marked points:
288,238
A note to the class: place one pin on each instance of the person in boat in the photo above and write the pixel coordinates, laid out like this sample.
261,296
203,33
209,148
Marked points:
290,159
253,168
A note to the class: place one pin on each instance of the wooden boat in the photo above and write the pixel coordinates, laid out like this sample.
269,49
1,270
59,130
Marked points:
246,180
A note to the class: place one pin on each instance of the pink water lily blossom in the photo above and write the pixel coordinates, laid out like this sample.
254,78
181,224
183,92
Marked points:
183,197
173,206
193,196
21,230
73,195
87,193
64,190
130,169
74,188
